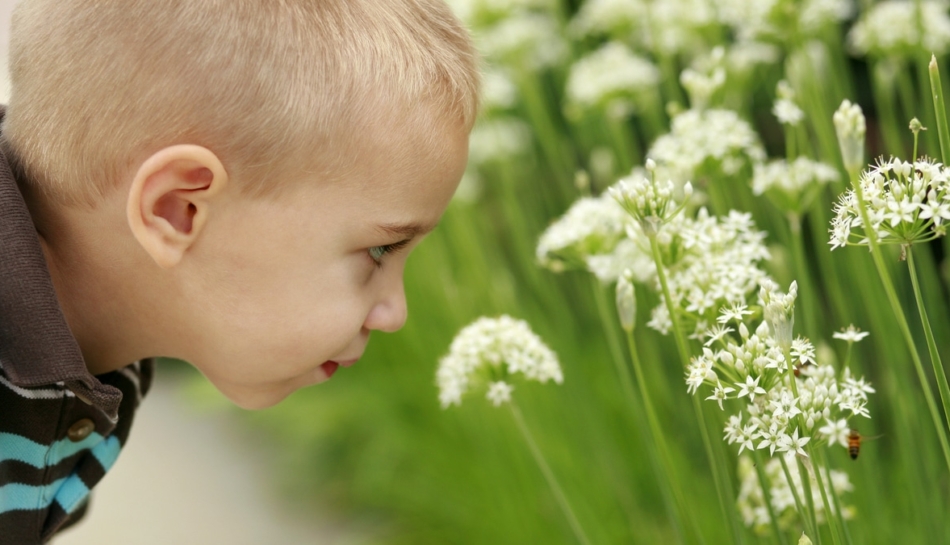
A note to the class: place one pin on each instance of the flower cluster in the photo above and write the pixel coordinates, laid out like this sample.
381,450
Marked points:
651,203
610,74
751,500
767,20
710,262
715,139
784,409
785,109
906,203
498,138
664,28
488,353
528,40
897,28
792,186
593,226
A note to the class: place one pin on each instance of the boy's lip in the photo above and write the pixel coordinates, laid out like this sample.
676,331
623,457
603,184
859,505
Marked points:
329,367
344,363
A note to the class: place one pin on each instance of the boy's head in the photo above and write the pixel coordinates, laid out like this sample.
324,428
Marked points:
222,181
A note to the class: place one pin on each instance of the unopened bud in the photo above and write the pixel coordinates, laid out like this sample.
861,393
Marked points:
851,128
916,126
651,165
804,540
626,302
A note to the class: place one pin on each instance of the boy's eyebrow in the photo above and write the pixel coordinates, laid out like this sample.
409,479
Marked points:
407,230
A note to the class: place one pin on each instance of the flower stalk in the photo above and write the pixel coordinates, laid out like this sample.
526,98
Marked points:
940,110
717,462
669,486
939,372
559,494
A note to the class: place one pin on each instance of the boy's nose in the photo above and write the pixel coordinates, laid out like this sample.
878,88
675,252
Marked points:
389,313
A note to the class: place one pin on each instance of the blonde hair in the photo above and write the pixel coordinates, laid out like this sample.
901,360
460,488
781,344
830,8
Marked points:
97,86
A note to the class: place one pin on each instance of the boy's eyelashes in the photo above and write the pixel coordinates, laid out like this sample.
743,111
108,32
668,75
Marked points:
378,253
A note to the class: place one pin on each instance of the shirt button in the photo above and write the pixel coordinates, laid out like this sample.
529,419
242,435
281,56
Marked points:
80,430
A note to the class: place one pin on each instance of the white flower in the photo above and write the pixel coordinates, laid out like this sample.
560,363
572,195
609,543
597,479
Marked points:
613,71
787,112
750,388
721,393
850,334
836,431
794,443
499,392
592,226
695,136
771,438
717,333
907,203
792,186
498,91
525,40
737,312
895,28
751,499
489,349
498,138
649,202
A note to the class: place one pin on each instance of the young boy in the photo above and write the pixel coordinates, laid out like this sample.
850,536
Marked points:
234,183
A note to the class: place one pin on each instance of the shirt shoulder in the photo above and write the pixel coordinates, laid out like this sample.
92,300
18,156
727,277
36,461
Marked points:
55,447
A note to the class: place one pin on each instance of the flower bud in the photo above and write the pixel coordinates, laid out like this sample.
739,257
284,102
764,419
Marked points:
804,540
626,302
851,128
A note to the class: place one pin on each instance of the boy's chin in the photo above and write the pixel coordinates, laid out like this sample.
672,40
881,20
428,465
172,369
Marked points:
254,399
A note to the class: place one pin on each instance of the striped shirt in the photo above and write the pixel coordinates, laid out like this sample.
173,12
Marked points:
61,428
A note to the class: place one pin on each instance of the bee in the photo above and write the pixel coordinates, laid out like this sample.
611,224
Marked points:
799,367
854,443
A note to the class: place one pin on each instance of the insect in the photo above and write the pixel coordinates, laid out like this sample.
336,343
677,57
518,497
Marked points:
854,443
799,367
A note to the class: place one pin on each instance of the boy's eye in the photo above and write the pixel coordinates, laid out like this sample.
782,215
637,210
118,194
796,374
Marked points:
377,253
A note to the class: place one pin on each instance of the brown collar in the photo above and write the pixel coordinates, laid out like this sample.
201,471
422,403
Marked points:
36,346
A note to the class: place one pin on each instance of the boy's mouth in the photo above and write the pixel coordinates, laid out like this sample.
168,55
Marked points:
329,368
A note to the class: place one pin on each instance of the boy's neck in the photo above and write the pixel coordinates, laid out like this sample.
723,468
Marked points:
90,293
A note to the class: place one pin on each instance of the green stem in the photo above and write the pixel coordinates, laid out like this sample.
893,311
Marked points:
898,311
717,463
829,513
935,360
806,520
940,110
549,475
809,498
834,498
672,482
807,294
672,497
767,496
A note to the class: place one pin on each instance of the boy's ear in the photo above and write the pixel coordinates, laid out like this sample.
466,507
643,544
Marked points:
170,198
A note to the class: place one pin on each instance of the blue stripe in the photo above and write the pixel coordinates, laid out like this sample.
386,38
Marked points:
17,447
107,451
71,494
16,496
